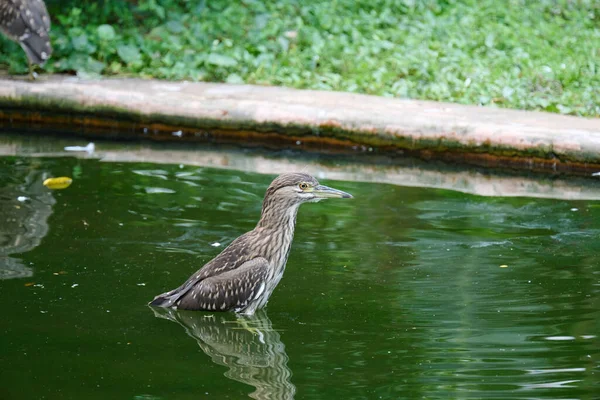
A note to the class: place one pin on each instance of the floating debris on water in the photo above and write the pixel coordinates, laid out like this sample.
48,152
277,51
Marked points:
560,338
141,284
504,266
178,133
90,148
215,244
75,285
22,198
61,182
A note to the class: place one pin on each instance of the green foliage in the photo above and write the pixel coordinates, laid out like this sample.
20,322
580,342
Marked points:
535,55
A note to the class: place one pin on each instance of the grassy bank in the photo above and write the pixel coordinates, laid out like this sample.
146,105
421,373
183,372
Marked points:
534,55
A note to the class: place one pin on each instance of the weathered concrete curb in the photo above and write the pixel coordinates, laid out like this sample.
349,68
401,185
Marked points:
255,113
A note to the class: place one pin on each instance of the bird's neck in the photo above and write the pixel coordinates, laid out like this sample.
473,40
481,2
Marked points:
278,217
276,232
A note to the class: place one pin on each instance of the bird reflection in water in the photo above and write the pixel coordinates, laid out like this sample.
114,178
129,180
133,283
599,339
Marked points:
25,206
247,345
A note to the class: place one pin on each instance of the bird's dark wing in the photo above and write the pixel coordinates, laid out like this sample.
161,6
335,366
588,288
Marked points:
34,15
232,289
29,25
231,258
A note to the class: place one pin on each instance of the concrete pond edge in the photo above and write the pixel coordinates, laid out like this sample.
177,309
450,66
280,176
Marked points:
318,121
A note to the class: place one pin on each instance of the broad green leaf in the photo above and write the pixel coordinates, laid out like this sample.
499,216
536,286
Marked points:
129,53
221,60
106,32
80,42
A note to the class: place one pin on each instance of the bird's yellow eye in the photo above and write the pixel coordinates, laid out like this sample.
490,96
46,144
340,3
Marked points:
303,186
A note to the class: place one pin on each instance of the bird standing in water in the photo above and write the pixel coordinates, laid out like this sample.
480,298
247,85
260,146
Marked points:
27,22
244,275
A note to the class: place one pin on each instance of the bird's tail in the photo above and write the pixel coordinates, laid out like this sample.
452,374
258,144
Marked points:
158,301
161,301
168,299
37,48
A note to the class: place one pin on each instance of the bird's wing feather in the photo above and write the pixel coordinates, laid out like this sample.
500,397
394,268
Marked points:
233,289
29,25
34,16
236,255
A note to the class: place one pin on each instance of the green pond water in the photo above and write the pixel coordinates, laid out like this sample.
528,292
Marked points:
399,293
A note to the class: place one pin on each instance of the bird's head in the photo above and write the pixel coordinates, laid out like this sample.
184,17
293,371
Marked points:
300,188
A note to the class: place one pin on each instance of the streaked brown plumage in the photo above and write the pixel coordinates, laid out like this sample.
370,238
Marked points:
27,22
245,274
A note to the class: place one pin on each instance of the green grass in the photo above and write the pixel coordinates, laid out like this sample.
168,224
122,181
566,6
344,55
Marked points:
526,54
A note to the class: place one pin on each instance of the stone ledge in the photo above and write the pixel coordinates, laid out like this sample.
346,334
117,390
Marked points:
245,113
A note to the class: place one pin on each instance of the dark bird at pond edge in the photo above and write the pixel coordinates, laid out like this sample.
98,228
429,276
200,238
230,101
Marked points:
27,22
244,275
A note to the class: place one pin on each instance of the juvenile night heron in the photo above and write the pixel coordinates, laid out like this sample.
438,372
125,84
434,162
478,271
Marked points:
27,22
245,274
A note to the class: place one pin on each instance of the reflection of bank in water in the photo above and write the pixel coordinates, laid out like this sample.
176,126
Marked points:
25,205
248,346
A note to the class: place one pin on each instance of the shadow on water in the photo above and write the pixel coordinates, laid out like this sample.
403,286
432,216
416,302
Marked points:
247,345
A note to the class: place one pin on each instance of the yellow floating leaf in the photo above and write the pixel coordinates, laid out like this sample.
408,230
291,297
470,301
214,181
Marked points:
62,182
29,284
504,266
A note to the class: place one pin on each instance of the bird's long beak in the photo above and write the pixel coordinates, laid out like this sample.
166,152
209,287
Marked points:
325,192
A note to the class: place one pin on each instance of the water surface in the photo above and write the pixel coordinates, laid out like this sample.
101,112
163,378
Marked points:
400,293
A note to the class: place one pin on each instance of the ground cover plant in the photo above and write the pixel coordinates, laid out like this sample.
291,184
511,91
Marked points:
533,55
